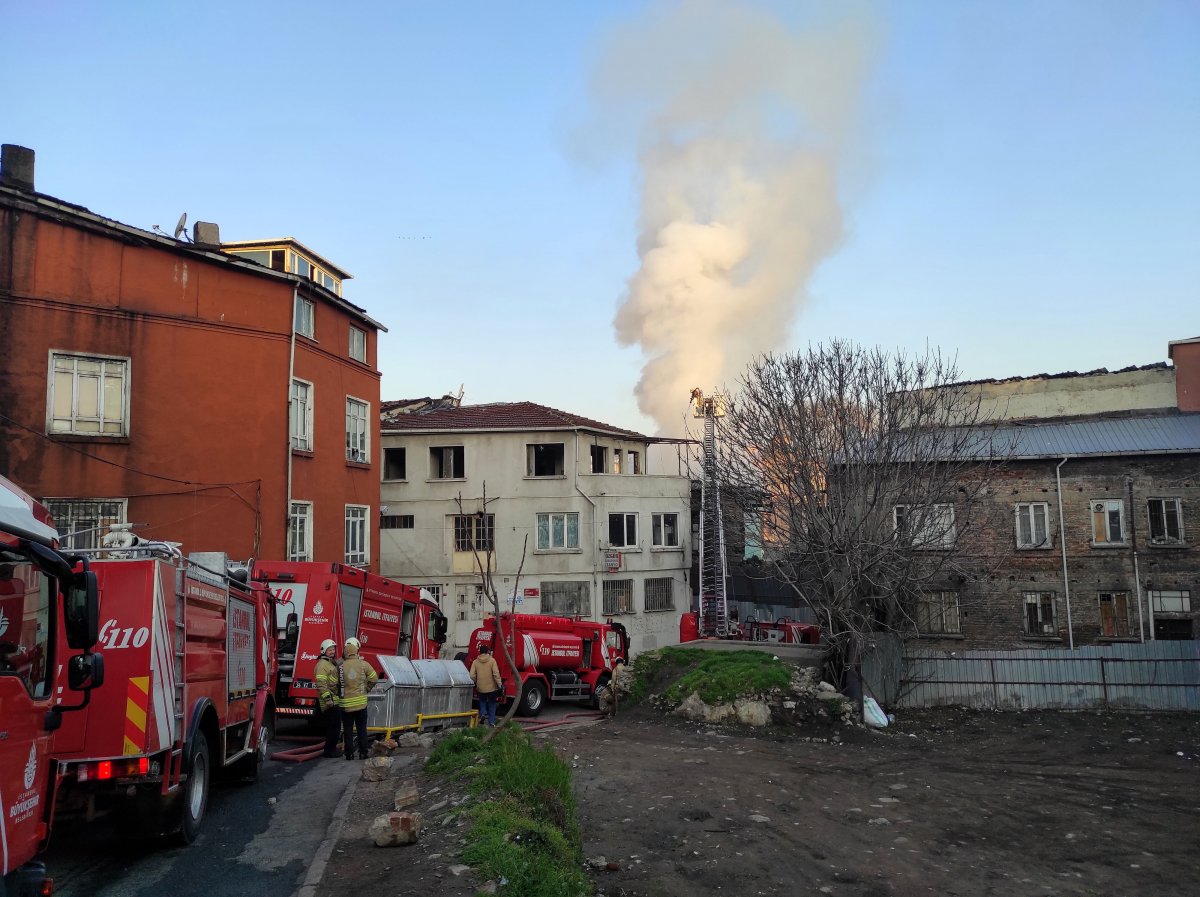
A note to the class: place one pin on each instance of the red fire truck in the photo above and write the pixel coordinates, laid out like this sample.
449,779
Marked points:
315,601
42,593
783,631
557,658
191,659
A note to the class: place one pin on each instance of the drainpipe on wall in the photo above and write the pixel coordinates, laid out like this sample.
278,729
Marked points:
1137,576
287,501
595,537
1062,538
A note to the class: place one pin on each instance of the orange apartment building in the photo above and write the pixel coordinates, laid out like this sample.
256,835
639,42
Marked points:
224,396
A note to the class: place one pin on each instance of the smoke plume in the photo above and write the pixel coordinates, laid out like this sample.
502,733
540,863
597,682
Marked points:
741,123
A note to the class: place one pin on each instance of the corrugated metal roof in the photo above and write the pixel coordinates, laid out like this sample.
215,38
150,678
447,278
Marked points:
501,416
1146,435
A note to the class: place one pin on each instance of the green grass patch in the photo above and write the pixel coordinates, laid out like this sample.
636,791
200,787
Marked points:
527,831
717,676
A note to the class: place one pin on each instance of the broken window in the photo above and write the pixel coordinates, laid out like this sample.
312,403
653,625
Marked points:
447,462
1040,614
395,464
1108,522
1166,521
545,460
635,462
622,530
937,614
1114,614
1032,525
599,459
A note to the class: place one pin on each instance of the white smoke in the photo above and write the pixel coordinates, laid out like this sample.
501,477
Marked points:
742,122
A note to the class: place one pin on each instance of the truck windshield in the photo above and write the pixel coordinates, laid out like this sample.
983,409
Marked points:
25,620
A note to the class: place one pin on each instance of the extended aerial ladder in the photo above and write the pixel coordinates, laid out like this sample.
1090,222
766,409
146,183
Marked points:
714,608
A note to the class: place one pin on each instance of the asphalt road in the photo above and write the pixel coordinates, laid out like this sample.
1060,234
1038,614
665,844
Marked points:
248,844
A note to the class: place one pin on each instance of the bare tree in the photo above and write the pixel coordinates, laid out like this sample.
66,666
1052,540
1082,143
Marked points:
866,471
483,550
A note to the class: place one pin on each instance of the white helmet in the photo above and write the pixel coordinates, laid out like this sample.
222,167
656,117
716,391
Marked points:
327,644
353,643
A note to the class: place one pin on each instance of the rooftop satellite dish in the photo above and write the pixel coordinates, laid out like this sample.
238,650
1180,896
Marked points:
181,225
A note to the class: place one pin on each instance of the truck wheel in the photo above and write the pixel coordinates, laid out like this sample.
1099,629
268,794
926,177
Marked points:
249,766
533,698
601,684
195,792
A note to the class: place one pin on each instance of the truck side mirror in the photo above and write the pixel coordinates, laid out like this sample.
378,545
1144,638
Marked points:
85,672
439,628
81,610
292,626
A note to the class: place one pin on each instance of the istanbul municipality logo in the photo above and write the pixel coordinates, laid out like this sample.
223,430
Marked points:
31,766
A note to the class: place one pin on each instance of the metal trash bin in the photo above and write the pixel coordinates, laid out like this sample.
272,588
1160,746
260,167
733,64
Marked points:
446,688
395,701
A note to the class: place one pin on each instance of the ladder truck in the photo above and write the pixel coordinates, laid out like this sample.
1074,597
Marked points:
713,617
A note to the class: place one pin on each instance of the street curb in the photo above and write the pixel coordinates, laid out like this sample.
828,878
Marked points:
316,870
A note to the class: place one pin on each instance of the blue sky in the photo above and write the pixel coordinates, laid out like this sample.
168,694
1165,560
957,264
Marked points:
1017,182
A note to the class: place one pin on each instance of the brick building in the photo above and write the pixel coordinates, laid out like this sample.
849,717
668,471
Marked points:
1091,532
184,387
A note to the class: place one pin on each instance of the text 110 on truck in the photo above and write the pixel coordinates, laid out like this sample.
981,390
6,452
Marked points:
317,601
48,609
191,659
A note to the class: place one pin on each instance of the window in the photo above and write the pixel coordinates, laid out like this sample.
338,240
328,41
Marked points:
26,598
395,464
299,539
557,531
358,550
446,462
1032,529
664,530
358,344
635,462
1171,601
301,415
1166,521
1114,614
925,526
622,530
1040,614
566,599
357,414
545,460
82,522
937,614
599,459
660,594
396,521
474,532
616,460
435,592
89,395
618,596
1108,522
304,316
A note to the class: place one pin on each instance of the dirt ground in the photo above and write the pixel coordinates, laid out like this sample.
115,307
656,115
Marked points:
945,802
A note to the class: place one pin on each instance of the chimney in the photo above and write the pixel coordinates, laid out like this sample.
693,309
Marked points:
206,233
1185,353
16,167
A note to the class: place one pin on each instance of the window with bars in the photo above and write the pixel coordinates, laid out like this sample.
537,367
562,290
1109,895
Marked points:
557,531
1040,614
1114,615
622,530
82,522
925,526
937,614
1108,522
301,415
660,593
1033,530
474,532
300,531
566,599
358,548
1166,521
618,596
89,395
357,414
397,521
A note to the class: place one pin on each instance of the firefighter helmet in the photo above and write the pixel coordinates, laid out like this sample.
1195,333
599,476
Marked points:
352,643
327,644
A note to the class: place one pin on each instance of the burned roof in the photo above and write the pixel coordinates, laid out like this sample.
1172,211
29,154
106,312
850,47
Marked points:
503,416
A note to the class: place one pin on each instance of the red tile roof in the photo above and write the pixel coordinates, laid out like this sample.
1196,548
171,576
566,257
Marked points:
500,416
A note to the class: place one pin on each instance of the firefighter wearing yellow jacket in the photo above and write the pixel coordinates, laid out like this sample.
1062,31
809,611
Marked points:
357,679
326,678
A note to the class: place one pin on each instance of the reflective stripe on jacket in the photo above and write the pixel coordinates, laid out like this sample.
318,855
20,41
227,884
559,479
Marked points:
326,679
358,678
